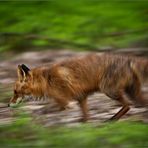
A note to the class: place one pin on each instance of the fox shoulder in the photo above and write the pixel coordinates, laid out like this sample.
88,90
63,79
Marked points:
65,74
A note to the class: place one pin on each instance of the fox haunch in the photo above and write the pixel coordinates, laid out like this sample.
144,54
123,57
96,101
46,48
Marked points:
119,77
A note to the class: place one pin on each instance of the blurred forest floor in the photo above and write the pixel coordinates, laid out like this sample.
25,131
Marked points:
101,107
24,125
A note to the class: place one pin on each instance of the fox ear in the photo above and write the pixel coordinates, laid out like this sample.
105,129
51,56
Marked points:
25,69
23,72
20,73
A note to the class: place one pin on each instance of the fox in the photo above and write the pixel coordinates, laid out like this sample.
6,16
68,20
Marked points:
119,77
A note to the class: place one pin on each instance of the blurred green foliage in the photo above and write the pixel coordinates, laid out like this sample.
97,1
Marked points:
25,132
95,23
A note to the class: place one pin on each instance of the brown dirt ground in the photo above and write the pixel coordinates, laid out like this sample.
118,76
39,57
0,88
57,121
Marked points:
101,107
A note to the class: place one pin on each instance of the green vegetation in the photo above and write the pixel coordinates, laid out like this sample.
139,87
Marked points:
24,132
75,24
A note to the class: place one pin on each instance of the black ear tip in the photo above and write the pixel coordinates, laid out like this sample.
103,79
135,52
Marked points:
24,67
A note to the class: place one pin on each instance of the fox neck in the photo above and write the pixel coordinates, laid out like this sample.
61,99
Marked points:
39,89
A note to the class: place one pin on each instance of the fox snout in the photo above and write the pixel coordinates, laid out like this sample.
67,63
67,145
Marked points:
14,101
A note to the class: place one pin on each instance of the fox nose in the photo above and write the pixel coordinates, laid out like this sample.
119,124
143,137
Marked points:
8,105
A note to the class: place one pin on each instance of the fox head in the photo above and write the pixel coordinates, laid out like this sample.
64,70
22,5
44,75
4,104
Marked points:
22,86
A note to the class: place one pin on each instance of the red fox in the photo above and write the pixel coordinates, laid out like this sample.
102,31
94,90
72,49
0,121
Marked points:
119,77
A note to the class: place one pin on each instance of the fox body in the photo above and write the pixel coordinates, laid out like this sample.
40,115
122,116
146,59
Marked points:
119,77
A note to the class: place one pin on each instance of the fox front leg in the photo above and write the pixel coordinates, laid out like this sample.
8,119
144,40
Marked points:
84,109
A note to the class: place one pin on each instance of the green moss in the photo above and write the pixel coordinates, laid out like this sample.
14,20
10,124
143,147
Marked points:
82,21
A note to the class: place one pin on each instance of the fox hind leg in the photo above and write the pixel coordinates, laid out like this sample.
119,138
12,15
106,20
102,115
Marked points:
135,94
124,100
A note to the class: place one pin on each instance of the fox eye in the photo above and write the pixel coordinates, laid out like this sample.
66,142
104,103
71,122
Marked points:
15,91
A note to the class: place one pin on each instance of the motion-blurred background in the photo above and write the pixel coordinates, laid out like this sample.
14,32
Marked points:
82,24
40,32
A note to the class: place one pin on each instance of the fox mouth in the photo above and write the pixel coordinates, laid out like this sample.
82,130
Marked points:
18,101
27,98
